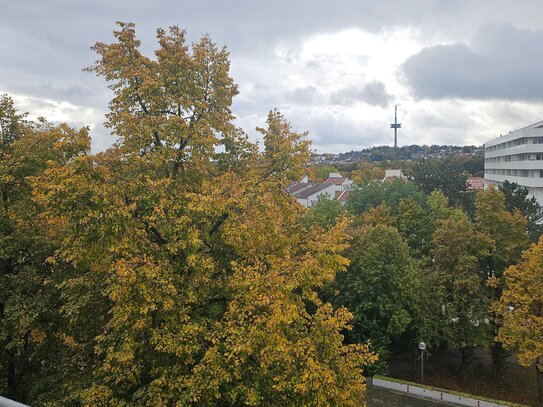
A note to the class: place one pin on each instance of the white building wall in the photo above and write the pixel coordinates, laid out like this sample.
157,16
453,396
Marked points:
393,173
302,201
517,157
329,191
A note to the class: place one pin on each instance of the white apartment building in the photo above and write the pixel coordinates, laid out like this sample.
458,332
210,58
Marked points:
517,157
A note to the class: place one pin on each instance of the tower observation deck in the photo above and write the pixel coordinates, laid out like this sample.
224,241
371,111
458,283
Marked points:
395,126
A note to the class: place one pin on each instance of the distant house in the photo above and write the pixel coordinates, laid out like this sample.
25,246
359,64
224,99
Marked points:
474,183
393,175
309,196
341,183
297,187
336,187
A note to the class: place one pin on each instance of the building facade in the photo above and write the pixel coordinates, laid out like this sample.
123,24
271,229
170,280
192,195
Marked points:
475,183
308,197
394,175
517,157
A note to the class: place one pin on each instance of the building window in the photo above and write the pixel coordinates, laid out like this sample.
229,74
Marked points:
538,140
540,173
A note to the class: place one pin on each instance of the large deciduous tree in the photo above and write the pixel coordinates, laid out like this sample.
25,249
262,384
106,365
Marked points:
458,250
380,287
375,193
190,276
521,311
507,232
445,175
516,198
324,213
31,340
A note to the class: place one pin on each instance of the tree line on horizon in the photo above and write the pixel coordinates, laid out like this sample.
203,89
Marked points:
382,154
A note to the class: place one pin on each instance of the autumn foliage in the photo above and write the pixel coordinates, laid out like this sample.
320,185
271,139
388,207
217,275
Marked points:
171,269
174,269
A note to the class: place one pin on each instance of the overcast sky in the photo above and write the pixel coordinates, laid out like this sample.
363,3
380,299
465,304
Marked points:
461,71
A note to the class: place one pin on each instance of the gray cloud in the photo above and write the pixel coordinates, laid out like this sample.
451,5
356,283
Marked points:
307,95
44,45
329,128
440,124
372,93
501,62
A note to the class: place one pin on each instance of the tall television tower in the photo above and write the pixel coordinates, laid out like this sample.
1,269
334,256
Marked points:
395,126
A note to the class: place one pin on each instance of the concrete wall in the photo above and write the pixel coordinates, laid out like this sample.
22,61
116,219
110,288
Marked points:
432,394
4,402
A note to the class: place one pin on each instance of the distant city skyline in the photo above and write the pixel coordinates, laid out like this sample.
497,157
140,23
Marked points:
461,72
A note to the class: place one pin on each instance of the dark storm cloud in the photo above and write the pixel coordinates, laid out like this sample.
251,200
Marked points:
501,62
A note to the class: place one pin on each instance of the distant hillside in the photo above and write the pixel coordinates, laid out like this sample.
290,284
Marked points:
412,152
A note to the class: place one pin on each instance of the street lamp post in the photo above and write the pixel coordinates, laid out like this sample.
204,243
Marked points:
422,347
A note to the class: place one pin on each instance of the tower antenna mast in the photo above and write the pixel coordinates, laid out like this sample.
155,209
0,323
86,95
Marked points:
395,126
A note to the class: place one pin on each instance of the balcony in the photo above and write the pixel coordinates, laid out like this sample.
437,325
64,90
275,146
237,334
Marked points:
523,181
516,165
520,149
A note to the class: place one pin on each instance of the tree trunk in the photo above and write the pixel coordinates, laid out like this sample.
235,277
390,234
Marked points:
499,356
467,359
463,365
15,387
414,366
12,388
539,376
